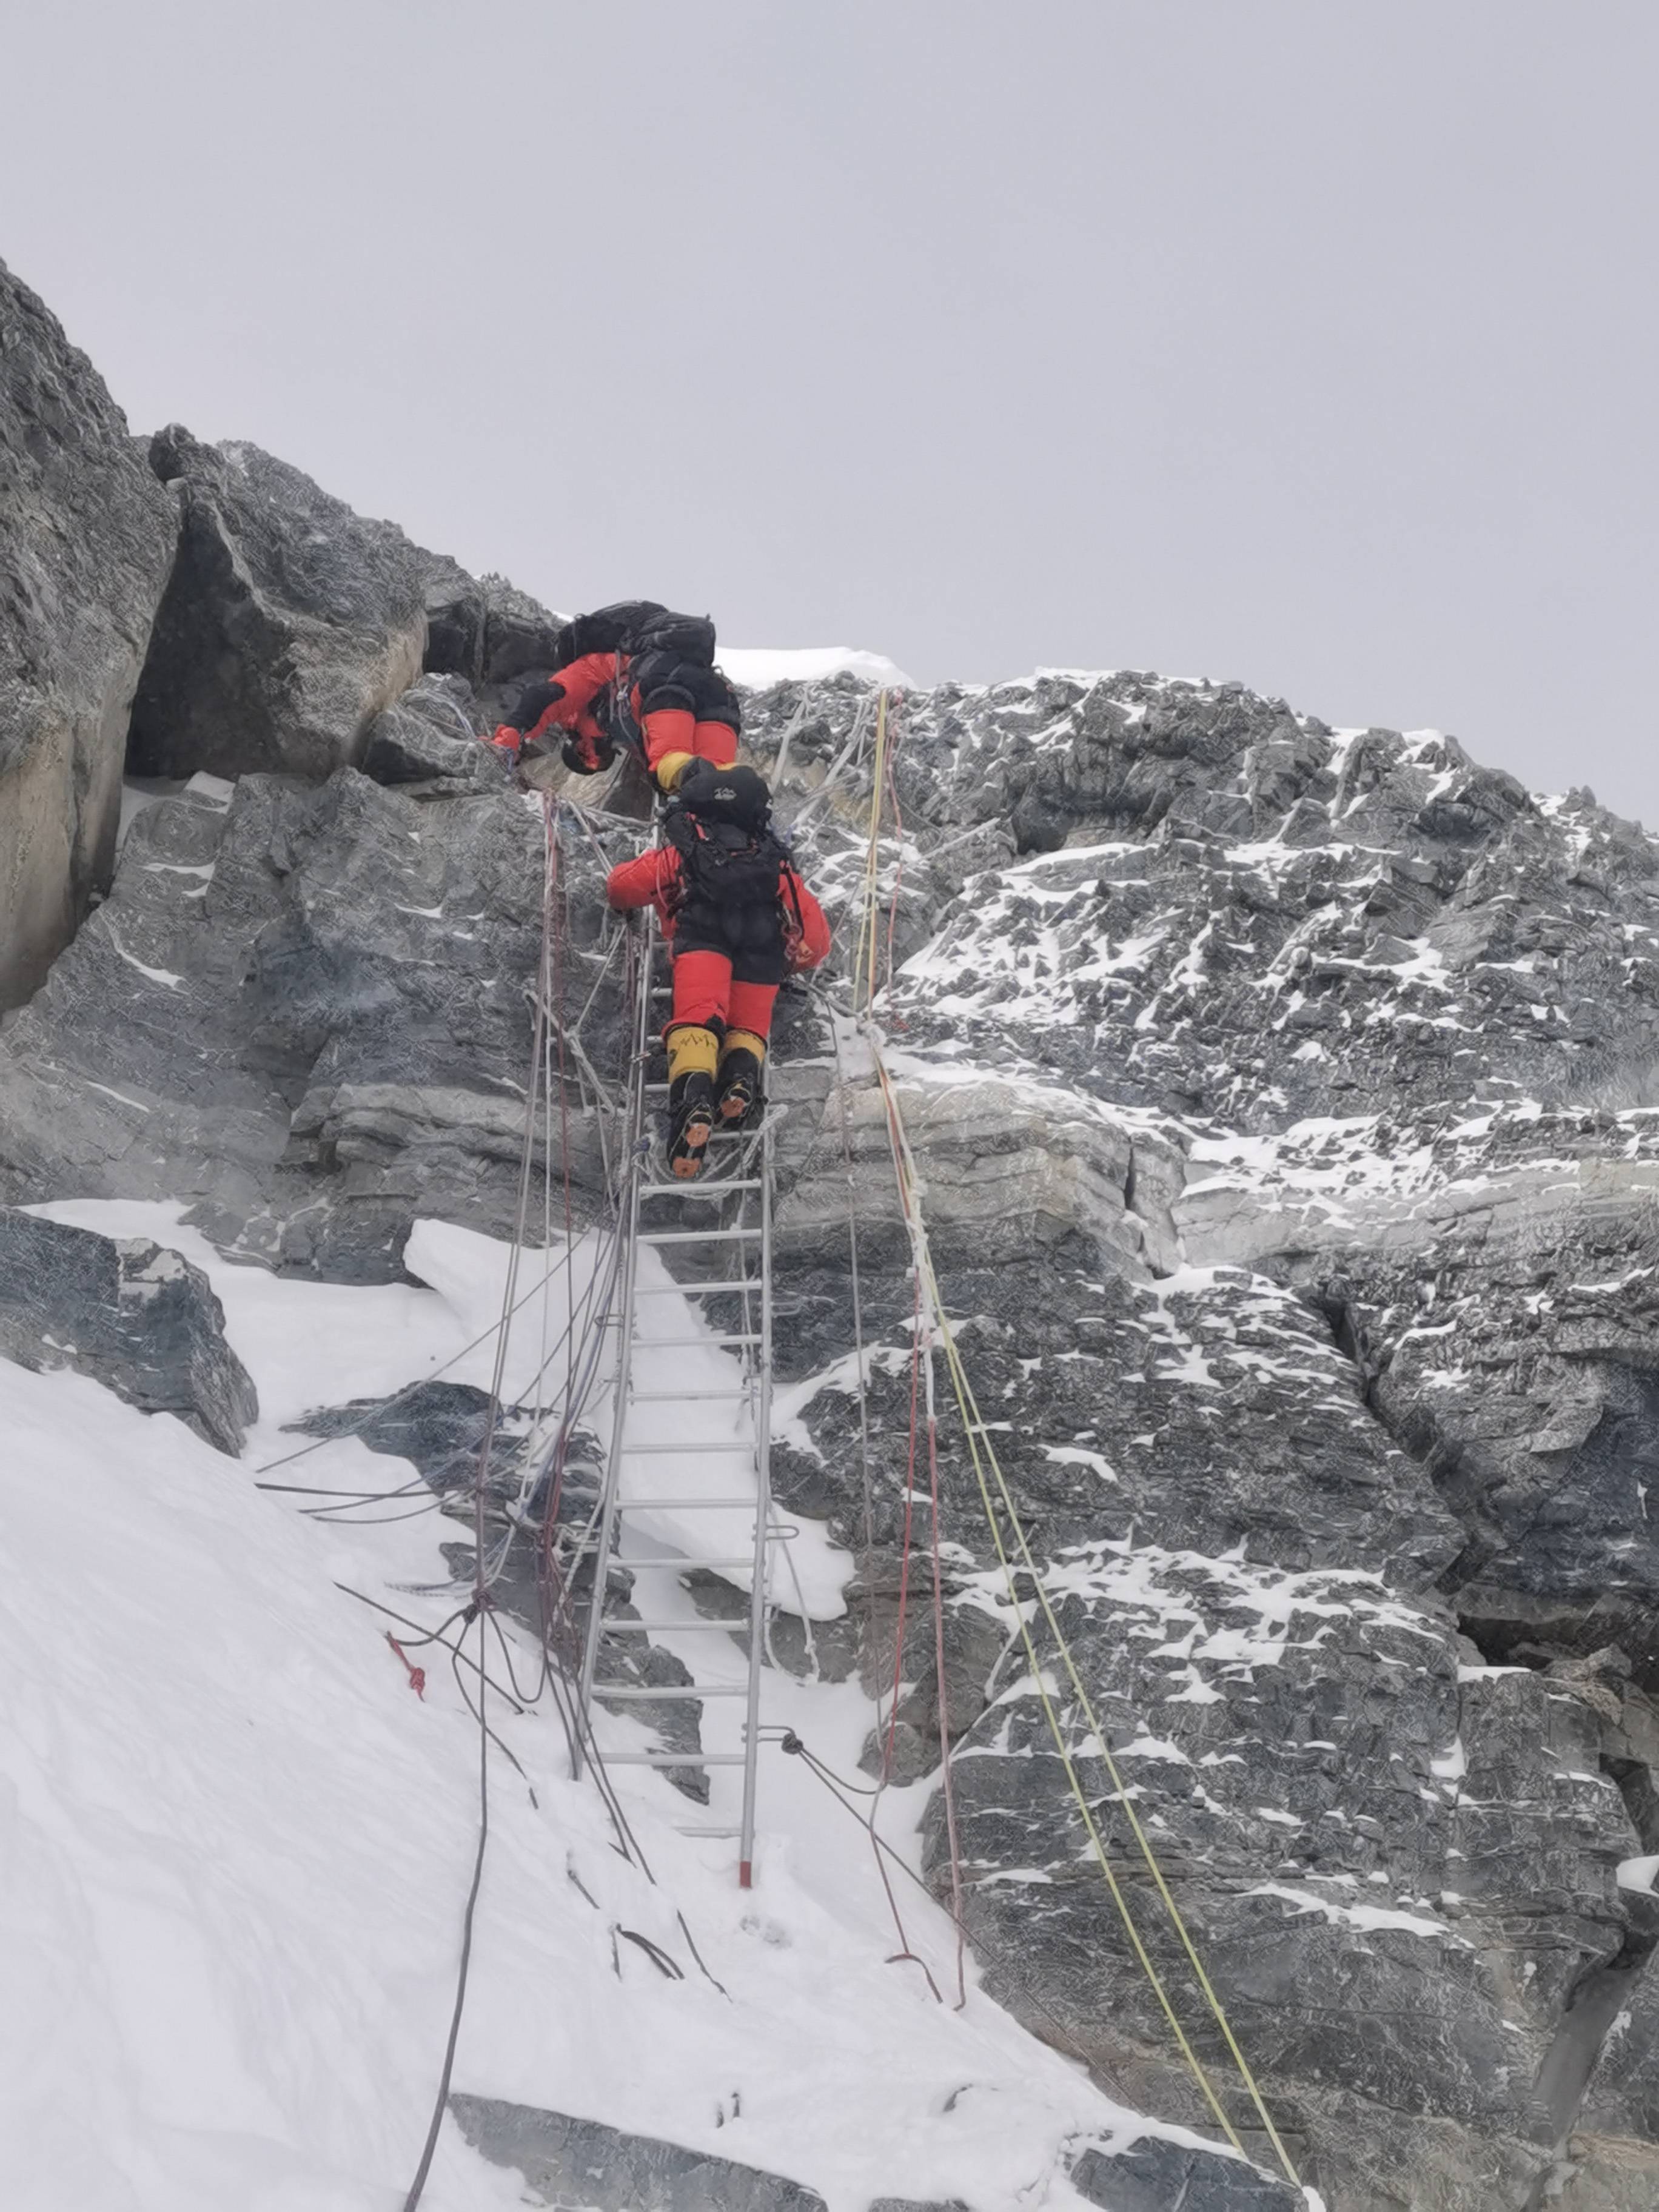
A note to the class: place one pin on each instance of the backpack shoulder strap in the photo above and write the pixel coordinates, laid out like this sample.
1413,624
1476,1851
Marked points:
789,889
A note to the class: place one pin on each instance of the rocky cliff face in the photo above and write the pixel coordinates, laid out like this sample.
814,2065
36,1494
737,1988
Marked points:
290,623
87,537
1330,1416
1281,1097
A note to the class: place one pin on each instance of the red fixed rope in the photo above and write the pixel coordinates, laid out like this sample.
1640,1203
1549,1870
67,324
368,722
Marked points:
417,1674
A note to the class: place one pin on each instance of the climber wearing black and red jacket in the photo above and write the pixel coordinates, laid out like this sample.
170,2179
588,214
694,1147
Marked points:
636,674
739,919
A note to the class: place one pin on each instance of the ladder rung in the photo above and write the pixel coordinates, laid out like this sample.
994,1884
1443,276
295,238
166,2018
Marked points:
662,1087
685,1693
651,1451
685,1343
678,1397
681,1504
702,1290
667,1627
696,1566
717,1188
716,1136
684,1504
674,1759
696,1235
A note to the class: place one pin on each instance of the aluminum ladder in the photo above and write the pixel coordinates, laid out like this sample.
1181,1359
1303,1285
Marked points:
735,1190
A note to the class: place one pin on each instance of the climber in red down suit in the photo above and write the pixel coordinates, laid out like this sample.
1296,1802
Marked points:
636,674
739,919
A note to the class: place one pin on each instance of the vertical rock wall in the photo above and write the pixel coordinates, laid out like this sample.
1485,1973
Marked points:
290,622
88,537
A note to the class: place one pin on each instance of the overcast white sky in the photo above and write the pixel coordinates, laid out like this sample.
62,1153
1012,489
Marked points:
1310,342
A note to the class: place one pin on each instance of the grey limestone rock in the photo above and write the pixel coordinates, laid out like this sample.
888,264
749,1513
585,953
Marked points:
1026,1165
318,999
1607,2174
1374,1026
484,628
427,742
583,2165
131,1314
455,607
439,1427
87,539
289,622
319,1003
1156,2174
519,634
1240,915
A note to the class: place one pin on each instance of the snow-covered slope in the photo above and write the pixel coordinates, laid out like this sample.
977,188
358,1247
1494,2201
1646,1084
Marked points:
756,667
237,1847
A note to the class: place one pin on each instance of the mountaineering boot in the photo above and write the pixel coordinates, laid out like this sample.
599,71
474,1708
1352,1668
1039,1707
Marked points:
691,1116
741,1060
692,1054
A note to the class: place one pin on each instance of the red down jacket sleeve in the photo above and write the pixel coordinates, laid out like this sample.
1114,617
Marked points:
563,702
814,946
640,881
581,684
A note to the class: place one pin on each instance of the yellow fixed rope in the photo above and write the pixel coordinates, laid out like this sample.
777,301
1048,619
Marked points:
864,960
983,1453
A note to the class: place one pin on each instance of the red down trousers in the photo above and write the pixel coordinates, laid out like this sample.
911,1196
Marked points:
675,731
708,996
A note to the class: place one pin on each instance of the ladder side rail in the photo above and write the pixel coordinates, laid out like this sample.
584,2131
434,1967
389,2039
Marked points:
624,1352
758,1594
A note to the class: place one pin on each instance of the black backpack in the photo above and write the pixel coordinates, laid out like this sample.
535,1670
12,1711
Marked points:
637,627
726,863
684,638
607,630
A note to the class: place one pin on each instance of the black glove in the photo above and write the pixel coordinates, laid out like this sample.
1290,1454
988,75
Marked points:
587,756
